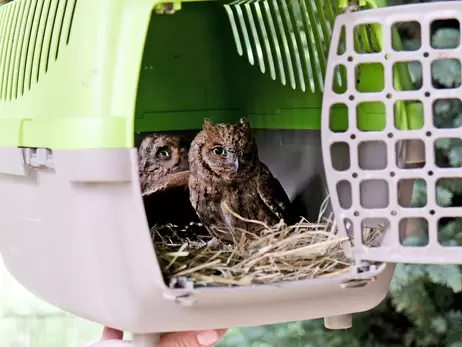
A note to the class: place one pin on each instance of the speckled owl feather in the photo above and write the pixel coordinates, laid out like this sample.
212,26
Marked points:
226,173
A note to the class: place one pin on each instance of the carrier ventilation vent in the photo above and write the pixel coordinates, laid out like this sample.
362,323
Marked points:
288,40
32,32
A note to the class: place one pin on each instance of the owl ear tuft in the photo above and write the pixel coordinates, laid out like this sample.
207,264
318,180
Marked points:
244,123
207,124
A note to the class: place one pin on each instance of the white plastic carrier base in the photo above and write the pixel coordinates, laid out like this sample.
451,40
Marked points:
74,232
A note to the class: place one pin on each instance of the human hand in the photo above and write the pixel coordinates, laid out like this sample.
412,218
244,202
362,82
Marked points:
208,338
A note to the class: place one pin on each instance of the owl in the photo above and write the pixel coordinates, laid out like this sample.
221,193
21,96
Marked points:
227,175
163,168
160,155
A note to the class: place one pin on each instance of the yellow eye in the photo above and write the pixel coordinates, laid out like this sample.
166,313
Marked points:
163,154
218,150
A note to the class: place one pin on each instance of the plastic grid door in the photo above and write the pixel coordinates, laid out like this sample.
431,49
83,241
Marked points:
381,187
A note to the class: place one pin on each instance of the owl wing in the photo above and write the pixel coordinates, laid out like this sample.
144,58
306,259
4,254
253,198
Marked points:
174,180
272,193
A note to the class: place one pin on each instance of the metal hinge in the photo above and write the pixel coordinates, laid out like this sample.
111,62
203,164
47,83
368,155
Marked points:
38,157
361,277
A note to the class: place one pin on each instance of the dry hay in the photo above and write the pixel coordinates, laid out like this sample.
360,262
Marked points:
280,253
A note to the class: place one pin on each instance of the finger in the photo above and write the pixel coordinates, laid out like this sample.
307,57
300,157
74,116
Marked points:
204,338
112,334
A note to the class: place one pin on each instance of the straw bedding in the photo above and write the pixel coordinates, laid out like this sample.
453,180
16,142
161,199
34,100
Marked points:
280,253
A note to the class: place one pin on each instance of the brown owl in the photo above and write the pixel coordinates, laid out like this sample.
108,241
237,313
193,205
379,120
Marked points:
159,156
226,174
163,168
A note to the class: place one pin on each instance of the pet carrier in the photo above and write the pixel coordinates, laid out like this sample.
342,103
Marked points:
78,78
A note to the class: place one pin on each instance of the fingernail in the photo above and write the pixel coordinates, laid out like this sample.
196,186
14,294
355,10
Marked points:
207,338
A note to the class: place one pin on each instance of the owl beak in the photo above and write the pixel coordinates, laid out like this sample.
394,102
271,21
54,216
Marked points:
236,164
233,161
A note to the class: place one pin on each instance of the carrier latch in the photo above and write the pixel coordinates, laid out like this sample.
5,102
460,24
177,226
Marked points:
38,157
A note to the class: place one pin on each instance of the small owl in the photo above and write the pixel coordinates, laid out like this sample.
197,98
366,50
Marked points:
163,168
226,174
160,155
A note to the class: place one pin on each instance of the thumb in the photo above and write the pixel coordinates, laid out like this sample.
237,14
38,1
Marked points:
112,334
206,338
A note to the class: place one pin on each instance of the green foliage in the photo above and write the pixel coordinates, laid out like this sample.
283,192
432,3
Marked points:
419,196
446,38
447,72
377,328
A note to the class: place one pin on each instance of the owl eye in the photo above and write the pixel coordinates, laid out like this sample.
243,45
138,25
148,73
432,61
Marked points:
218,150
163,154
